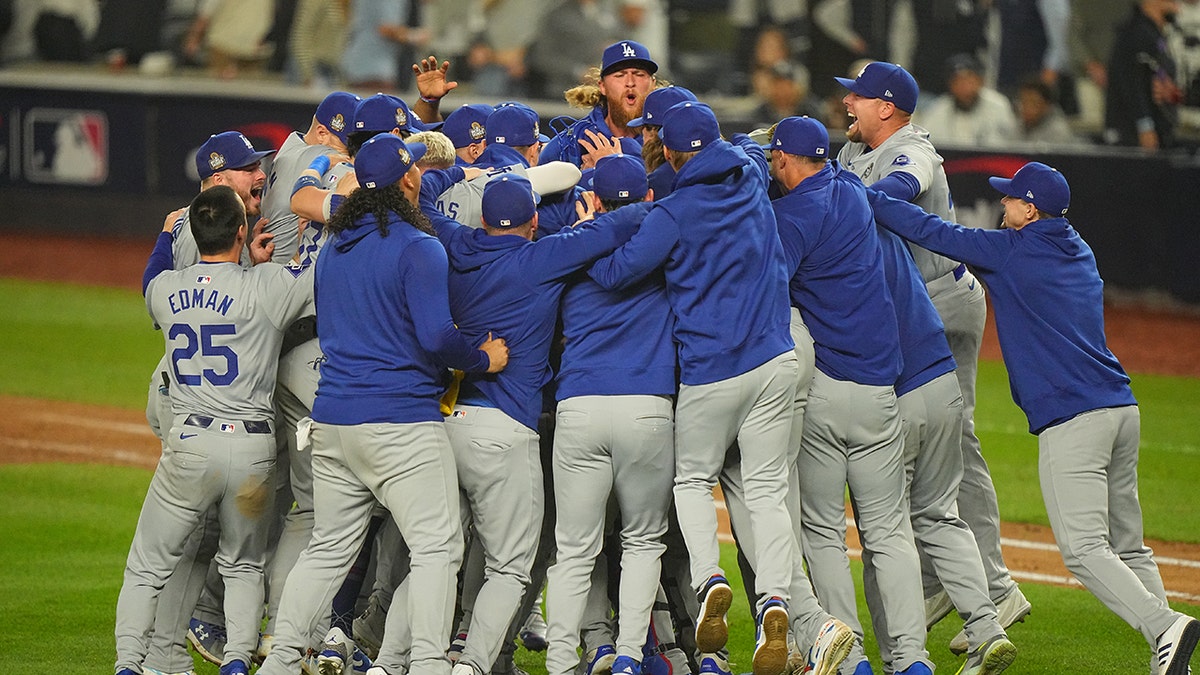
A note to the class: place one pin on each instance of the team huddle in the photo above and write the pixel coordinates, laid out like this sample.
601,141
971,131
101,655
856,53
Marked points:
458,362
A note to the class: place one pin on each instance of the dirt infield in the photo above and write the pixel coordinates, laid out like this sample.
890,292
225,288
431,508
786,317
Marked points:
50,431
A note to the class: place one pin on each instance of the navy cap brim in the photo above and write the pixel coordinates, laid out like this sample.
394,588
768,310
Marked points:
849,84
646,65
417,150
254,157
636,122
1004,185
543,138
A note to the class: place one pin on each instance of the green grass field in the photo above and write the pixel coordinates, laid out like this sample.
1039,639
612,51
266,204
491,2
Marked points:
67,528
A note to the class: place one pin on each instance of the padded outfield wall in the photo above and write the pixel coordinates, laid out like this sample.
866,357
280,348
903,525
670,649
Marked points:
90,152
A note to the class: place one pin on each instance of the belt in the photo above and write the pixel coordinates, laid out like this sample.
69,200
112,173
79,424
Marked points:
959,271
251,426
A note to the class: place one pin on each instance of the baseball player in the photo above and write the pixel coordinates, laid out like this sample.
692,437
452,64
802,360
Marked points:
227,158
467,129
657,103
377,431
328,135
852,428
930,405
614,434
1048,299
615,93
893,155
513,142
493,428
738,368
223,340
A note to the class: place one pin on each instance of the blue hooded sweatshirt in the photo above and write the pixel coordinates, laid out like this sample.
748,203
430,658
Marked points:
923,344
383,314
837,280
509,286
715,236
1048,300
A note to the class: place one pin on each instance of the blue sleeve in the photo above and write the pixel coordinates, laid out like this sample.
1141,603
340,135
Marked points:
756,154
645,252
793,243
899,185
436,181
984,249
428,298
571,249
161,259
443,225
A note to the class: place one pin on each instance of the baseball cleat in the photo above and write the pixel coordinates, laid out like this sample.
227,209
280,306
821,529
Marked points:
208,639
533,633
937,608
335,653
368,627
235,667
990,658
1012,609
712,631
600,660
714,664
832,646
1175,646
770,647
625,665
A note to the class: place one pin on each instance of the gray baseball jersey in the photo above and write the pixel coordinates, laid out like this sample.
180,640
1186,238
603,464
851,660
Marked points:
908,150
463,201
290,161
224,324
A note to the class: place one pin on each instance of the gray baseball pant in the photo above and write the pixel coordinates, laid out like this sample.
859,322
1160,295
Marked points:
201,467
932,418
1088,470
602,445
409,468
755,410
500,475
962,304
852,436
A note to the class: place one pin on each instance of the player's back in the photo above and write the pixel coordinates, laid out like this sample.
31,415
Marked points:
223,325
293,158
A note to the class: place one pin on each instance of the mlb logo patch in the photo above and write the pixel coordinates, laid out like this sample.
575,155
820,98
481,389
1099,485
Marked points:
228,428
697,143
459,413
204,279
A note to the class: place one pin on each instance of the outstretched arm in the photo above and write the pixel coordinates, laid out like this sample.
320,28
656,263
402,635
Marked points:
985,249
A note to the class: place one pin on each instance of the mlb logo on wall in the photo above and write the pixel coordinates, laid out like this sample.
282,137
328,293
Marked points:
66,146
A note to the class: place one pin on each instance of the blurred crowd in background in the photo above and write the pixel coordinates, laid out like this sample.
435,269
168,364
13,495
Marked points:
992,72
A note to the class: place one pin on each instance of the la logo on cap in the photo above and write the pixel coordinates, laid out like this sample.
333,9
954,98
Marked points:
216,161
247,142
626,50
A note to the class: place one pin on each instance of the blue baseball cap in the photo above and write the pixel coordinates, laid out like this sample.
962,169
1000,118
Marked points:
384,159
627,54
468,124
514,125
226,150
620,177
382,112
689,126
802,136
887,81
509,201
657,103
336,112
1040,185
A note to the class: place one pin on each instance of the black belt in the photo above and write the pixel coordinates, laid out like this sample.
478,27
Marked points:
959,271
251,426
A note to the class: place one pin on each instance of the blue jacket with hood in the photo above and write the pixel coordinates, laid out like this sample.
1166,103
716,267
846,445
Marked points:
383,314
715,236
1049,306
509,286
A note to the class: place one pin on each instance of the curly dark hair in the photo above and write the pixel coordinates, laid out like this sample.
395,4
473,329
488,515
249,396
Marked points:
380,203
